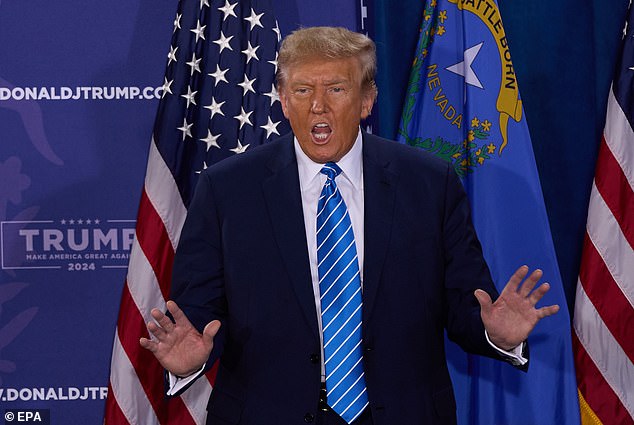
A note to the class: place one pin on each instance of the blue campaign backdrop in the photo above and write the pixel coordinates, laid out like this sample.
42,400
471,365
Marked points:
77,103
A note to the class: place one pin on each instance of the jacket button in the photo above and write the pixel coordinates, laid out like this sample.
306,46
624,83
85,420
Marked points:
314,358
309,417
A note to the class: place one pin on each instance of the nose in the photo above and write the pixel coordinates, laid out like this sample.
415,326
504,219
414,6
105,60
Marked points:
318,103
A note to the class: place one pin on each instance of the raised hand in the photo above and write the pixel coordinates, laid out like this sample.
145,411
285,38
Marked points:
510,319
178,346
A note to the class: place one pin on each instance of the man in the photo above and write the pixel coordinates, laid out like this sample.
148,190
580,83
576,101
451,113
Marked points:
383,233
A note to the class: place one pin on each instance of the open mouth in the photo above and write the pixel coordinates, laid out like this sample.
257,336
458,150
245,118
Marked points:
321,132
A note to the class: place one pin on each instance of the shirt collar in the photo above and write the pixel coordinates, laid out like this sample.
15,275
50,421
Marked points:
351,164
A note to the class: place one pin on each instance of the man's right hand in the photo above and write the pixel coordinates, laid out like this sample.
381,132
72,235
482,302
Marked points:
178,346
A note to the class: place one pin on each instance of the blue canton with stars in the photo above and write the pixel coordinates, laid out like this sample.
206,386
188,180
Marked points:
219,97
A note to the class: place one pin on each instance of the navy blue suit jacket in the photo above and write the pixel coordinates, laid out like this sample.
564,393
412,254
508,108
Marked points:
242,259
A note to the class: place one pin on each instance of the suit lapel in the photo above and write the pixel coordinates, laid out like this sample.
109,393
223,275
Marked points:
379,193
284,204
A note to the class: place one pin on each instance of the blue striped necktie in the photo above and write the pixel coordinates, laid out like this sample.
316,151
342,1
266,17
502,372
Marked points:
340,287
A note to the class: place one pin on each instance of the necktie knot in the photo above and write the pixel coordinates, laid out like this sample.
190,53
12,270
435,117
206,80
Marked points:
331,170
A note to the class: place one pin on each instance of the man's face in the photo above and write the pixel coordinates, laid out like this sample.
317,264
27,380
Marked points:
324,101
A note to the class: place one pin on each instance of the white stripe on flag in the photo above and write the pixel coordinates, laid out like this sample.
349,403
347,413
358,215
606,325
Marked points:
163,193
603,349
606,235
127,389
619,137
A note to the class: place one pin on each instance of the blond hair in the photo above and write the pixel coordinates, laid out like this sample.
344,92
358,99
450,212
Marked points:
331,43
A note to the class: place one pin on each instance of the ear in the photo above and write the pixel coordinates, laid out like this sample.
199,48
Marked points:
366,104
283,100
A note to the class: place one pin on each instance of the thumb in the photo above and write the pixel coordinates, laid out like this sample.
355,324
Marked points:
210,331
484,299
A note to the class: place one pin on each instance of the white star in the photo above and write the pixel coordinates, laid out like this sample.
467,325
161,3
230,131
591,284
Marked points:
190,96
250,52
166,87
270,127
96,221
199,31
273,95
227,9
204,3
88,221
194,64
239,148
223,42
172,55
186,129
276,30
72,222
63,221
177,21
80,221
247,85
211,140
274,62
254,19
219,75
215,108
205,166
244,118
464,68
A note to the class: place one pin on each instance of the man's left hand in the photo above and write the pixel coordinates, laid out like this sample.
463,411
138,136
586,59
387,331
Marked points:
510,319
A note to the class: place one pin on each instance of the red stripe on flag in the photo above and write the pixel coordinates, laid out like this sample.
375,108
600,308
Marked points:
606,296
595,389
113,415
155,243
147,368
615,190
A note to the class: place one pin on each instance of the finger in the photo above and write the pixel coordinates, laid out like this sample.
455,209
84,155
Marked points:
516,279
539,293
148,344
156,330
484,299
211,330
177,313
163,321
547,311
530,282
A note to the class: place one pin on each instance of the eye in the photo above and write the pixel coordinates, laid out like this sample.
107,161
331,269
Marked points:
337,89
302,91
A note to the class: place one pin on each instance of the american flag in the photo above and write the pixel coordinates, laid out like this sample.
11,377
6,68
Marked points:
218,100
604,305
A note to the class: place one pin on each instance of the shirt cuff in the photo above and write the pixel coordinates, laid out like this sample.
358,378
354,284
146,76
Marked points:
515,355
177,383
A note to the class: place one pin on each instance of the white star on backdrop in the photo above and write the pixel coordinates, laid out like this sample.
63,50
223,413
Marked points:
219,75
464,68
239,148
224,42
270,127
211,140
215,107
254,19
194,64
244,118
247,85
189,96
172,55
186,129
166,87
250,52
199,31
227,9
